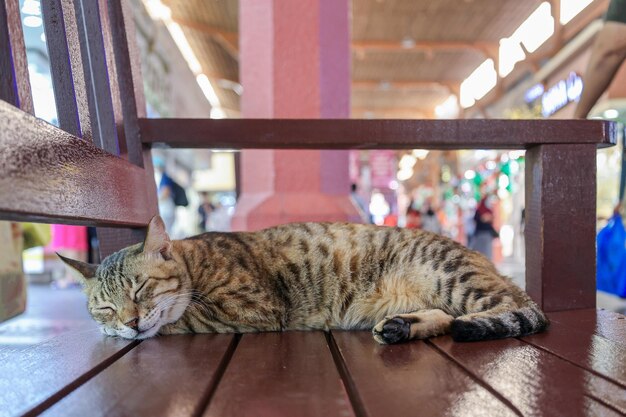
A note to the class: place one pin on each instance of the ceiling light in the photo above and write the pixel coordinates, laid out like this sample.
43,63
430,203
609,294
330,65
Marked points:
571,8
32,21
420,153
407,161
536,29
31,7
611,114
407,42
385,85
470,174
479,83
405,174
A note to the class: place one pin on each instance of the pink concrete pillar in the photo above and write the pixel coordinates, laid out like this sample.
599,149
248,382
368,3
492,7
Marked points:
294,63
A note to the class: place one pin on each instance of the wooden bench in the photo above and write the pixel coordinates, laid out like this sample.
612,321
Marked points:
96,170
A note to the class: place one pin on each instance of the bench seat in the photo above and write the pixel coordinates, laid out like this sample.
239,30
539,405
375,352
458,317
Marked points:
578,367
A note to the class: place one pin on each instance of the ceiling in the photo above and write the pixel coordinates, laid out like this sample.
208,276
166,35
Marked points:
408,56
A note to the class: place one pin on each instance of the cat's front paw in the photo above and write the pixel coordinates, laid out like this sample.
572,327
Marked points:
392,330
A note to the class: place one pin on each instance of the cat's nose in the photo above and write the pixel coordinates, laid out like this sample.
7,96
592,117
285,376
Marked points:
133,323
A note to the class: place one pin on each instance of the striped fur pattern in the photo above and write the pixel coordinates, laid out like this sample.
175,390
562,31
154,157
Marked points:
402,284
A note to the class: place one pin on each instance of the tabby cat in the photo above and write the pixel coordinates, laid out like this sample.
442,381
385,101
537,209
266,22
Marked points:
402,284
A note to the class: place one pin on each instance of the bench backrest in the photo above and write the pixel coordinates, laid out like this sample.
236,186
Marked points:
96,168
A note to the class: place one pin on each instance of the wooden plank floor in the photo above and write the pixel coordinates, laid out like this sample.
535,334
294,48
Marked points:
577,368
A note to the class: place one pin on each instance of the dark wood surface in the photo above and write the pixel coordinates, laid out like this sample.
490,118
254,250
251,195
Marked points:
14,82
412,379
603,323
123,68
499,362
373,134
75,370
49,175
176,373
97,80
561,226
66,67
587,350
281,374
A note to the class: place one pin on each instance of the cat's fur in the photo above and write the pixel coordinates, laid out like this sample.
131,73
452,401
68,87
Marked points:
402,284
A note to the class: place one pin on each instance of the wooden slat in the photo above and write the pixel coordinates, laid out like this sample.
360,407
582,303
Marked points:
603,323
124,73
66,67
585,350
164,376
281,374
561,226
96,75
49,175
128,68
413,379
372,134
31,380
535,381
14,82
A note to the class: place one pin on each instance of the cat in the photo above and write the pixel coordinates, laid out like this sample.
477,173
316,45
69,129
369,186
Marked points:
402,284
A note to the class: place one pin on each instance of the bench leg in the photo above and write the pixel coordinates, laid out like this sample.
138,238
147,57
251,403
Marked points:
561,226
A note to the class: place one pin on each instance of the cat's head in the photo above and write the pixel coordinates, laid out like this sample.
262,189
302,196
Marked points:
137,290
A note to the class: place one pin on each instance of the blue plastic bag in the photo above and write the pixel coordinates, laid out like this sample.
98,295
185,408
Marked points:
611,260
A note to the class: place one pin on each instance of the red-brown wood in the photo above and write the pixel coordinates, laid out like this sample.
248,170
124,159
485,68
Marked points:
124,73
274,374
372,134
561,226
128,69
48,175
168,376
14,82
90,31
534,381
584,349
603,323
413,379
109,51
66,66
32,380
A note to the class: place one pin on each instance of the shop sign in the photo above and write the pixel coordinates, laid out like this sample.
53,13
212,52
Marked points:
534,93
383,166
559,95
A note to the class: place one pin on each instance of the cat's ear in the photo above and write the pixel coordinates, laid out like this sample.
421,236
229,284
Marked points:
157,241
82,270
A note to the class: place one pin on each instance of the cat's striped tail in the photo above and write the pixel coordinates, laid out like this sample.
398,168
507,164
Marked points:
524,321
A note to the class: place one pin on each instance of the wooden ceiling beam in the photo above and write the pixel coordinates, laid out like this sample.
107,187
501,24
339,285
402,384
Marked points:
406,112
400,46
385,85
228,40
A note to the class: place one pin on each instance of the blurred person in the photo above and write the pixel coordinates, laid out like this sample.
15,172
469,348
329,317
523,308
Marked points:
165,190
413,218
607,55
219,219
430,221
204,210
71,242
359,203
484,233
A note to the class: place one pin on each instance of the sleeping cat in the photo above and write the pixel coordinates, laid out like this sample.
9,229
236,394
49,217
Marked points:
402,284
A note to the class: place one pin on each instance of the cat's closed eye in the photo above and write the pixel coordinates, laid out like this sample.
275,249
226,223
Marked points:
135,297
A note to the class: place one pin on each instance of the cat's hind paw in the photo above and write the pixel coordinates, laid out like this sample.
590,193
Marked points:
392,330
